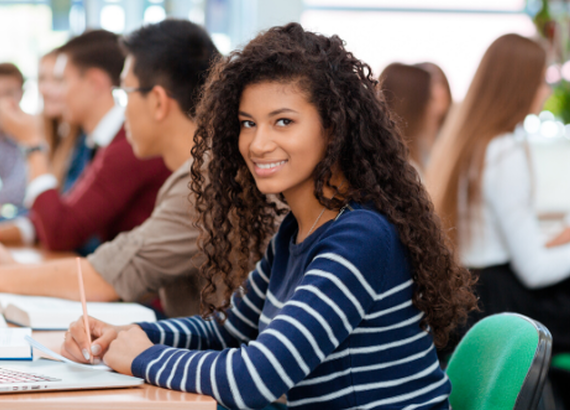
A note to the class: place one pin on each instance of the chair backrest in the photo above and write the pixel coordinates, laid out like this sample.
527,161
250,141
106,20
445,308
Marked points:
500,364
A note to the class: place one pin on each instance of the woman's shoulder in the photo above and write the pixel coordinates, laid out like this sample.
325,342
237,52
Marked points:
366,239
364,226
505,147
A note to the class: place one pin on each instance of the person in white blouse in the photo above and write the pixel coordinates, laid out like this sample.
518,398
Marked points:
480,179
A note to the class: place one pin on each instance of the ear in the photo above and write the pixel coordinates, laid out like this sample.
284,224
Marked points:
98,79
160,101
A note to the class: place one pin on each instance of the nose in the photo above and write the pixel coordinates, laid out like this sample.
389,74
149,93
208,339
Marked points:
262,142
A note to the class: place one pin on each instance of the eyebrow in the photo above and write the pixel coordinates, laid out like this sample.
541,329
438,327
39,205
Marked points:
271,114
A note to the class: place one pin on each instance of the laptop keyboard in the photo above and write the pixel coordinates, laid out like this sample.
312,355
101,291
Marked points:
8,376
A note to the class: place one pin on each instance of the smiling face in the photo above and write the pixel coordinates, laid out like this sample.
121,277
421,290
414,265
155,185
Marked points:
281,138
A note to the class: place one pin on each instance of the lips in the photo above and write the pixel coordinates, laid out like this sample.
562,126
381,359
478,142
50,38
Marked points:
267,168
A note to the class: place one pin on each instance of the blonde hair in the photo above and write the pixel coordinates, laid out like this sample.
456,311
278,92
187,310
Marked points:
500,96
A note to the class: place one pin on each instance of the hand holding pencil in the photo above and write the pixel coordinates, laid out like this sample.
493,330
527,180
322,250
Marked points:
78,345
130,340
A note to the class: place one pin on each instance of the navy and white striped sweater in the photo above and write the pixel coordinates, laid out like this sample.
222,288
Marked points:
328,321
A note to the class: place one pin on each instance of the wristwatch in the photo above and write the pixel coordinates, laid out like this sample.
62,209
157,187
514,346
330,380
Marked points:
27,151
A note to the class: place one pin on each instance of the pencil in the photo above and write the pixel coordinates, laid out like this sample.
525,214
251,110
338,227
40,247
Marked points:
84,305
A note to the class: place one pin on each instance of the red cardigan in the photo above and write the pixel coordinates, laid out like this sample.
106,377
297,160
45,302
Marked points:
116,192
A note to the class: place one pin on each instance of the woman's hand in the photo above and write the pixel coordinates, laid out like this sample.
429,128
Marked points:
562,239
26,129
76,345
125,348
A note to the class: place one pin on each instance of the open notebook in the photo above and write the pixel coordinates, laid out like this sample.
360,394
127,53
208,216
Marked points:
43,313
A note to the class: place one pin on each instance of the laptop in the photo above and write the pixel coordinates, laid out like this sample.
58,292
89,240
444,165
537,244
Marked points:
46,374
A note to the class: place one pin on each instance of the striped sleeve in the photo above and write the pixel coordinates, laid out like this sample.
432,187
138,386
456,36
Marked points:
338,288
240,326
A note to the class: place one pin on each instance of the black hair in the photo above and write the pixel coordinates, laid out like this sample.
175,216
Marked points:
96,49
175,54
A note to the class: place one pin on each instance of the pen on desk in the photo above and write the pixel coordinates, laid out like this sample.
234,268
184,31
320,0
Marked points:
84,305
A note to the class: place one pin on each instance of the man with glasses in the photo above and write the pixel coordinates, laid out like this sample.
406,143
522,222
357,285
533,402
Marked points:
116,191
165,67
12,164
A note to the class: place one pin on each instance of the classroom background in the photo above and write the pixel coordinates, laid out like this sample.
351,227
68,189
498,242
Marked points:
452,34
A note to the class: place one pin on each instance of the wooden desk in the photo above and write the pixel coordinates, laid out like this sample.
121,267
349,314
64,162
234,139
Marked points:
144,397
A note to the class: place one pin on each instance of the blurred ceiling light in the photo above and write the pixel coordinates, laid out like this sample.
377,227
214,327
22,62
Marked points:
549,129
531,124
197,16
154,14
113,18
223,42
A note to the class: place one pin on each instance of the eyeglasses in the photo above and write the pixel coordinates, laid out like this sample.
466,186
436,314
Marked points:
121,94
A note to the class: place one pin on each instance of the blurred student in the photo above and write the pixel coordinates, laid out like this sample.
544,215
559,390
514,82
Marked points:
116,192
347,300
481,183
414,95
166,65
441,98
68,152
12,162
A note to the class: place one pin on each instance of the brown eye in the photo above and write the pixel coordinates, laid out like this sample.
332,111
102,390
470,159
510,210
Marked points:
247,124
282,122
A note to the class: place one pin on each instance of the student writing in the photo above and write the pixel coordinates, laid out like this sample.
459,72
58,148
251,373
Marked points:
344,306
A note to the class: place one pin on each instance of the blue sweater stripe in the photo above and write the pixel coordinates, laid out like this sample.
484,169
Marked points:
330,322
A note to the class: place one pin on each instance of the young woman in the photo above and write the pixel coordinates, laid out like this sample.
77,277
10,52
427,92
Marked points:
480,181
67,146
343,308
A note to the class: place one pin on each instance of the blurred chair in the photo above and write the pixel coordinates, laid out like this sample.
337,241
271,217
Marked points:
501,363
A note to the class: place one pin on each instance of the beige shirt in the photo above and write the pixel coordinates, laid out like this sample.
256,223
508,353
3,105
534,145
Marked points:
158,256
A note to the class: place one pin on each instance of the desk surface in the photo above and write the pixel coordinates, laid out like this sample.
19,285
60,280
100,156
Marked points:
144,397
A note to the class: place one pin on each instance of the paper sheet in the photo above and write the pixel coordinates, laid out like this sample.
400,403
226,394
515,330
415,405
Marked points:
51,353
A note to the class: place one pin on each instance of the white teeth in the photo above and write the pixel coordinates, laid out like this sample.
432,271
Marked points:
269,166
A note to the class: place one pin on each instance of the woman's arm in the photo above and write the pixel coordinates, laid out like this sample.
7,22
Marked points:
240,326
337,290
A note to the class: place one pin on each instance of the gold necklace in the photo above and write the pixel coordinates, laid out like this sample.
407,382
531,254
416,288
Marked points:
322,212
317,220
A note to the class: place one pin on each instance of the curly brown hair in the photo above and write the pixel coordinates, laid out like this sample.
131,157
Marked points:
364,144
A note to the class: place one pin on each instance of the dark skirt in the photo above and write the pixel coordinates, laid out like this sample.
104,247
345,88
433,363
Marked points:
499,290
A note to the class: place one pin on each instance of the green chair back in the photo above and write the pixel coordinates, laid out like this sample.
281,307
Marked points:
500,364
